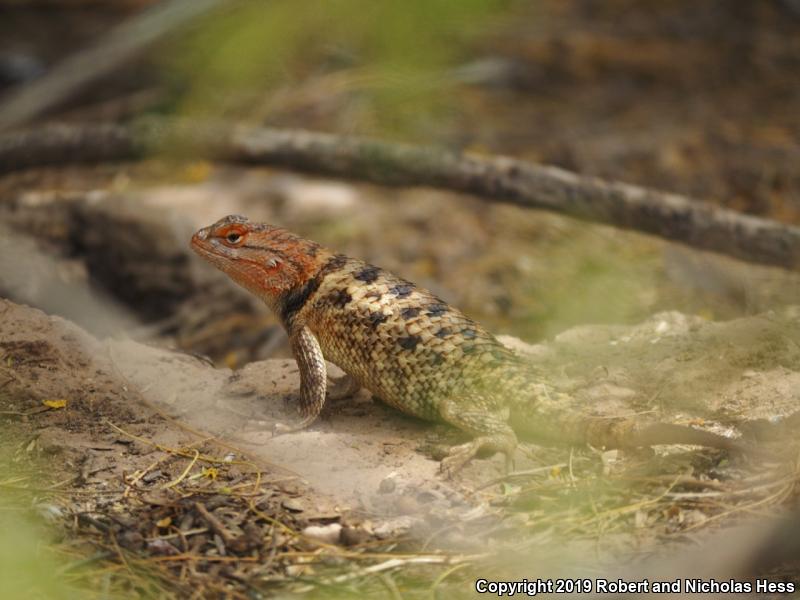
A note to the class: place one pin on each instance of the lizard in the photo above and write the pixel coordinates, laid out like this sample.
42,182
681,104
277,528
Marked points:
410,349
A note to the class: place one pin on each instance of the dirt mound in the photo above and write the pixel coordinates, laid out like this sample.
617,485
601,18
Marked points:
172,459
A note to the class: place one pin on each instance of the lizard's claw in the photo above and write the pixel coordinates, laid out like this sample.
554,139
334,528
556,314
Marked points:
457,458
281,428
509,463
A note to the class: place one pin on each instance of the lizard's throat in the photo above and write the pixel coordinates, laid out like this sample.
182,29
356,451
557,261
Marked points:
264,285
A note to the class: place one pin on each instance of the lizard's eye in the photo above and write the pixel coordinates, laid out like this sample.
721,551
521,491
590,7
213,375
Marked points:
232,236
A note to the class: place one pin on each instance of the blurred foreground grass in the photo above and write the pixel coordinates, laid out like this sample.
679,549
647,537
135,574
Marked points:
28,566
39,559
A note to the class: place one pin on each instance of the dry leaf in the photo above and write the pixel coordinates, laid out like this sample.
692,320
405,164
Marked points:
57,403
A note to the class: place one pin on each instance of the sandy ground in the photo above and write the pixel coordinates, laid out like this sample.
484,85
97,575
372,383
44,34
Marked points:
362,457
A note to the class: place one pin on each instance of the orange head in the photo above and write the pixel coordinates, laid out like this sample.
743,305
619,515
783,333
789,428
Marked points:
268,261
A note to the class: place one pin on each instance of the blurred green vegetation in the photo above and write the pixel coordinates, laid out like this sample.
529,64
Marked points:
28,569
387,61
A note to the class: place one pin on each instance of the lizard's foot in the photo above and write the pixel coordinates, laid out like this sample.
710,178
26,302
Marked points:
459,456
492,432
281,428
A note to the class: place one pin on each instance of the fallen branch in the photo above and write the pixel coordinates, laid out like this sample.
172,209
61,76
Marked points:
670,216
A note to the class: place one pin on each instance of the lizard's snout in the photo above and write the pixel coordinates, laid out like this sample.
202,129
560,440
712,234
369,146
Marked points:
200,241
201,235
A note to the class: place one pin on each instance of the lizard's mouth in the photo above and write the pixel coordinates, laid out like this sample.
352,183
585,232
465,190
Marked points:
201,244
205,246
243,270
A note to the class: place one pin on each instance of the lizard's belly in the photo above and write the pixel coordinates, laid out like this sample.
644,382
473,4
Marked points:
395,378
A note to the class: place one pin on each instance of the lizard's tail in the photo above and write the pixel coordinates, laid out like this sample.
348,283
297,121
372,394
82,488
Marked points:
625,432
650,434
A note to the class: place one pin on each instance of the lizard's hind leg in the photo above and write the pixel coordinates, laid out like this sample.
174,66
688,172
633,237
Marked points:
491,431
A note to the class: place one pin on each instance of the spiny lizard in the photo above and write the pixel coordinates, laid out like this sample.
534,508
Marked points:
409,348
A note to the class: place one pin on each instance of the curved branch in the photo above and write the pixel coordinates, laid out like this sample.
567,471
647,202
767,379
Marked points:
670,216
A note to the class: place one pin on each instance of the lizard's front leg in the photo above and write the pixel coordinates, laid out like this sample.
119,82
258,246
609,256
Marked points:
313,378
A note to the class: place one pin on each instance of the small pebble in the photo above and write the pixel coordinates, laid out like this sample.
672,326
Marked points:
328,534
292,504
387,486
